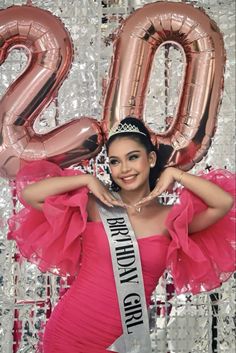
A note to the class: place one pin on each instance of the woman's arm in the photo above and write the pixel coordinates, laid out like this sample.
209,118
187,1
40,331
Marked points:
218,201
36,193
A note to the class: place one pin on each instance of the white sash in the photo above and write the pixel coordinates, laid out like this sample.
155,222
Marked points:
129,282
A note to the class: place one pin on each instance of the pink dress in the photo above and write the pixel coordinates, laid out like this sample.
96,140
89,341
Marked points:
59,239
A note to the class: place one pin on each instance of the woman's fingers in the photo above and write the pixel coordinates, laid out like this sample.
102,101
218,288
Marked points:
111,201
118,203
159,189
106,200
146,199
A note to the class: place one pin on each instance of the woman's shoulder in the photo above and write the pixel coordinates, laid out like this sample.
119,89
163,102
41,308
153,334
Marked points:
164,209
154,219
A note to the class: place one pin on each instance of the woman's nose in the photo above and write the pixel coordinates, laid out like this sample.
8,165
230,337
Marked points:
125,167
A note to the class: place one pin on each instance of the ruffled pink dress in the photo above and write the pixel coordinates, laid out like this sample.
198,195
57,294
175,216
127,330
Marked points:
59,239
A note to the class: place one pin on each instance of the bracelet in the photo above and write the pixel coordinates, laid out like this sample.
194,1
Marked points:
181,177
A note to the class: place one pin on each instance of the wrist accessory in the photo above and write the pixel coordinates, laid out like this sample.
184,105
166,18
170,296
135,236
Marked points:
181,177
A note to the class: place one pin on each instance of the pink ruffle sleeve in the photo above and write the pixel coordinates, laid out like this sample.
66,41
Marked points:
203,260
50,238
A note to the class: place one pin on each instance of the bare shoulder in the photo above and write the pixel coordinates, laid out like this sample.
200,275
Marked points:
164,210
163,213
151,220
161,216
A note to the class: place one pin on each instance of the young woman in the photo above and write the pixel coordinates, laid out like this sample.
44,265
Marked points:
60,229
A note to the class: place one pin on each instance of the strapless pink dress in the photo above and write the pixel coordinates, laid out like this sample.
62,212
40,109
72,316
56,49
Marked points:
60,240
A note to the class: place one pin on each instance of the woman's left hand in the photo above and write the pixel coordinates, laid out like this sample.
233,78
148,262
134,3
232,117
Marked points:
165,182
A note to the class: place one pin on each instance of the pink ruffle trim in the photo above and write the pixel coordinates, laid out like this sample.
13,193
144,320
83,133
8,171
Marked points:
201,261
51,239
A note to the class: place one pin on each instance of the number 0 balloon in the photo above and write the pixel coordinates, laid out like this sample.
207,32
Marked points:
49,50
141,35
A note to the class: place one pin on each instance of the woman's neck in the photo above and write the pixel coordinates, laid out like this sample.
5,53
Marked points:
133,196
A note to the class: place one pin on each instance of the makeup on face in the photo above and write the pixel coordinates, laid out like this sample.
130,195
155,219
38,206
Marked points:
129,163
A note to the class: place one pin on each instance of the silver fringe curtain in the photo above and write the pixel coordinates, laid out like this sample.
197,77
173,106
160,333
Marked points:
199,324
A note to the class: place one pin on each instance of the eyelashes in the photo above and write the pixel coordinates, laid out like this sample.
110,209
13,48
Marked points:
113,162
132,157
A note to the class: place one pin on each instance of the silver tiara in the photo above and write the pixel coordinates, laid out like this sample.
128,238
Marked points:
124,128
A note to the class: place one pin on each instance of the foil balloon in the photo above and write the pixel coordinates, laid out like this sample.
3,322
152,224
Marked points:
189,136
49,51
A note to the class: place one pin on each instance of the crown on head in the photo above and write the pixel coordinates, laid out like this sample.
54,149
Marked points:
124,128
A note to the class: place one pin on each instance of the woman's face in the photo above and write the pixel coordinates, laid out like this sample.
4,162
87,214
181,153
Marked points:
130,163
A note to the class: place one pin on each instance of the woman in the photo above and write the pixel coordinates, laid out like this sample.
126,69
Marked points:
192,238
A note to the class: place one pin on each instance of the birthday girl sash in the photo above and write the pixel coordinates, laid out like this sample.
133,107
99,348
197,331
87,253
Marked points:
129,282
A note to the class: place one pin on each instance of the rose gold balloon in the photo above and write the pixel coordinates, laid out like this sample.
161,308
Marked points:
189,136
49,50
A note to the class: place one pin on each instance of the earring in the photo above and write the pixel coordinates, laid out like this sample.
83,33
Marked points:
152,165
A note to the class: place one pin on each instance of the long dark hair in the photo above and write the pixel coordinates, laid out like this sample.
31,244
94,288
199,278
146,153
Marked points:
145,140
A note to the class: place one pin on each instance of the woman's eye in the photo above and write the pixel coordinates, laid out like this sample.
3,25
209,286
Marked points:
133,156
113,161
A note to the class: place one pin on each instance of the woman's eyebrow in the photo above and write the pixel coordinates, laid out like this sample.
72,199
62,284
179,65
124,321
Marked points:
127,154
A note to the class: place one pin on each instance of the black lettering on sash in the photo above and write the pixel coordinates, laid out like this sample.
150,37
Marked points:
135,323
133,311
119,231
113,221
126,274
117,226
125,255
114,226
123,240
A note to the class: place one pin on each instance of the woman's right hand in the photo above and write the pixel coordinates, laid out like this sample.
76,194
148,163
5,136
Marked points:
35,194
98,189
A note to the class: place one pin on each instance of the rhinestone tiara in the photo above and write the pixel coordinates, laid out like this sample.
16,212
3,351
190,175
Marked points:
124,128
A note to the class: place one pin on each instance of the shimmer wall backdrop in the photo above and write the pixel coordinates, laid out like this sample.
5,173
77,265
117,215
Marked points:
183,324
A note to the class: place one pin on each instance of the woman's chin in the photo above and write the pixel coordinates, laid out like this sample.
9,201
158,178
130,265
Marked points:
130,186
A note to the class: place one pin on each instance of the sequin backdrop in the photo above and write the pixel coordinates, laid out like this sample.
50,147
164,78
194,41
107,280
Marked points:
204,323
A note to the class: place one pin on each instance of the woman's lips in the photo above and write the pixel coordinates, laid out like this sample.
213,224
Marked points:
129,179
